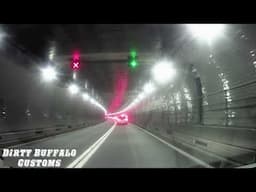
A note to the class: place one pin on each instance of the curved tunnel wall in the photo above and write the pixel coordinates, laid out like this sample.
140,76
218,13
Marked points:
213,99
28,103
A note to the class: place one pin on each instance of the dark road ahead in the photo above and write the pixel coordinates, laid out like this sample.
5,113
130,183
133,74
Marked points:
107,145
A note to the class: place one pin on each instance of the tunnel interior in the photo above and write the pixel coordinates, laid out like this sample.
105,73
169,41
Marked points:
211,105
209,108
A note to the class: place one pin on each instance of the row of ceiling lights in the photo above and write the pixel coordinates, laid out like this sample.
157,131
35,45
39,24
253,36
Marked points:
163,72
49,74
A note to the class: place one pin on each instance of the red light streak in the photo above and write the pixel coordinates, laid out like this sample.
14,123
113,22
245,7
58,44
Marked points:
76,56
120,87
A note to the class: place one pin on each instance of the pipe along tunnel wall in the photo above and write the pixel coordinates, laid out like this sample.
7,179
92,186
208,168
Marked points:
212,104
34,107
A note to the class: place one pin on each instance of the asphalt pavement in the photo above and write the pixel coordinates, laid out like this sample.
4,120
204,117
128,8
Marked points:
108,145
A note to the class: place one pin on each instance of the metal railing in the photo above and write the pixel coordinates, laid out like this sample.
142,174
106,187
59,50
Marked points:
22,136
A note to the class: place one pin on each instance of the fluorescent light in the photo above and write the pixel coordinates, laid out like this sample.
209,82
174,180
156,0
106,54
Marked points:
206,32
85,96
149,88
2,36
73,89
49,74
163,72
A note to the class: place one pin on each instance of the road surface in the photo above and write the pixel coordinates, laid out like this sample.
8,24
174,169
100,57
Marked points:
108,145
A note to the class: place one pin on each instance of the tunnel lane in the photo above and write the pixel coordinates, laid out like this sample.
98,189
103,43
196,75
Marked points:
108,145
130,147
79,140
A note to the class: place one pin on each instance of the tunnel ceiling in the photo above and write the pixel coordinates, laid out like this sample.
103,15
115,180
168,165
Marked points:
39,39
96,42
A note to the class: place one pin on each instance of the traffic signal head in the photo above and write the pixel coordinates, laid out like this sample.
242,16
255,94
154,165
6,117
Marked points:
132,61
76,55
133,53
75,65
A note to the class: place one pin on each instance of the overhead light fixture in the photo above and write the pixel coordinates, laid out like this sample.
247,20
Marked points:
73,89
92,101
149,88
85,96
163,72
206,32
49,74
141,96
2,36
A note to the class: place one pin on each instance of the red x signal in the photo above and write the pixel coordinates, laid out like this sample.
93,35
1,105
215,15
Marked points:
75,66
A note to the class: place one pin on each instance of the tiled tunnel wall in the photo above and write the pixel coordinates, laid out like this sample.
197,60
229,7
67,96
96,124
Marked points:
213,99
28,103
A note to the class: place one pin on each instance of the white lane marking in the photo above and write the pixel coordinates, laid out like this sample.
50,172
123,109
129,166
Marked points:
178,150
248,166
86,155
50,137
